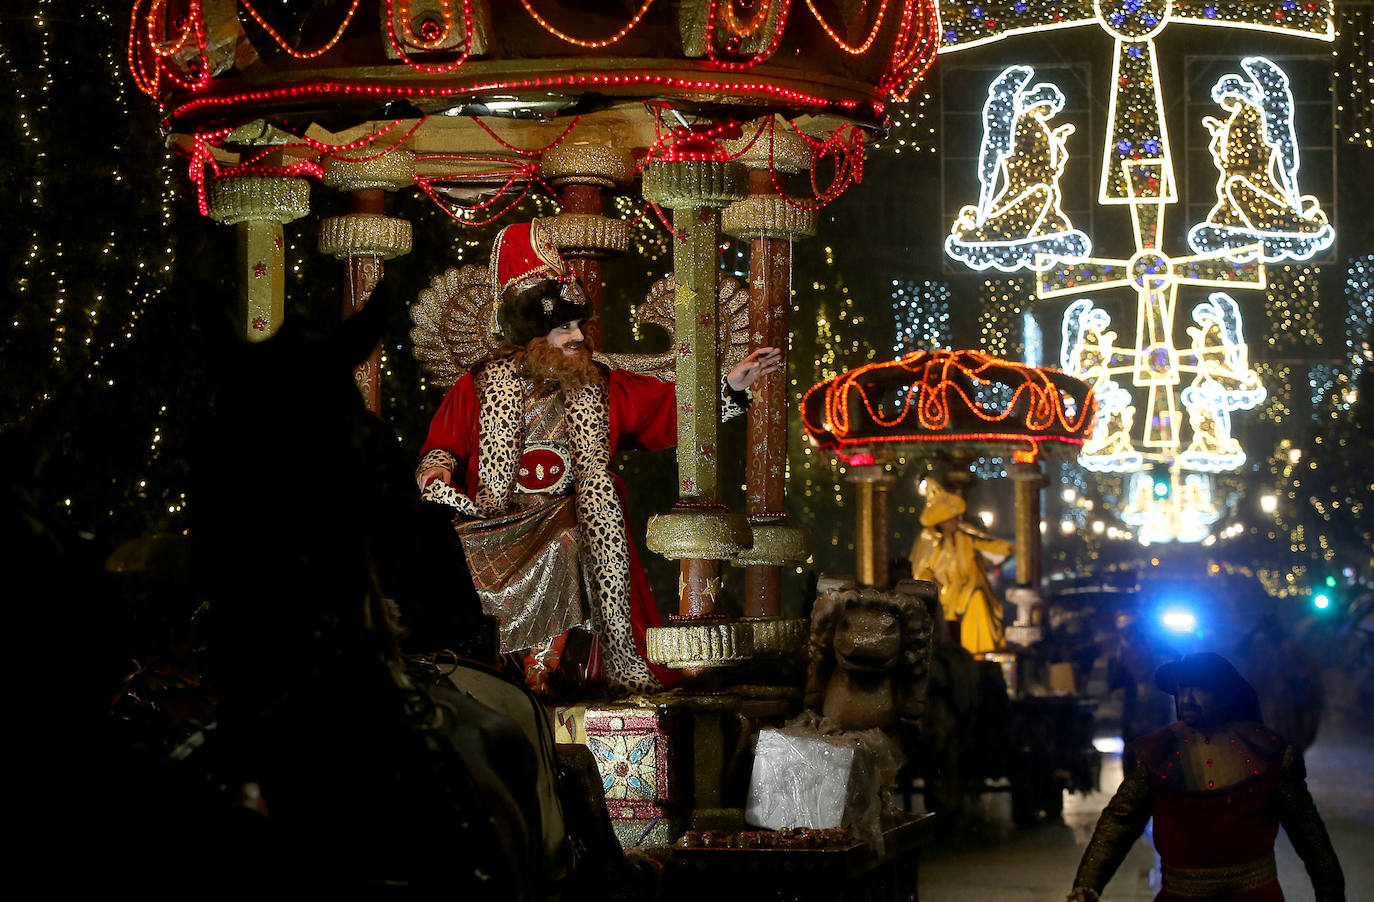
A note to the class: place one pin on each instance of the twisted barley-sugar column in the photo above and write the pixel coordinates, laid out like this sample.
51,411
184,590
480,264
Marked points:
259,206
364,237
771,224
699,531
583,234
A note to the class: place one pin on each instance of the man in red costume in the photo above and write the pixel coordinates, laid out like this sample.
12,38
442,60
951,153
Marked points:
522,447
1218,784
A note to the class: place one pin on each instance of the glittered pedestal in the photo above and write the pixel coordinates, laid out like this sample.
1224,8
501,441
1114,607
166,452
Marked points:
644,758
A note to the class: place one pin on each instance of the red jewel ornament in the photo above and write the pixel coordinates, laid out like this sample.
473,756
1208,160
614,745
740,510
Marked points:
259,270
259,325
431,30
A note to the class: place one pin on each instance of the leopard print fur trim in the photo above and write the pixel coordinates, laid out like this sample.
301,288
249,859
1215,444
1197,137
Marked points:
437,457
500,395
500,392
603,533
732,403
442,493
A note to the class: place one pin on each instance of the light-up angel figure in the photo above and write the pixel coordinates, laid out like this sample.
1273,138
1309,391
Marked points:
1256,154
1017,223
1089,352
1224,382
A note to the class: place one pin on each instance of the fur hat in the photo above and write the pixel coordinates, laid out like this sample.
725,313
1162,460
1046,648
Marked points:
940,504
533,286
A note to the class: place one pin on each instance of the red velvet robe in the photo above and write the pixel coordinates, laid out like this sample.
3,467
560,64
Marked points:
643,415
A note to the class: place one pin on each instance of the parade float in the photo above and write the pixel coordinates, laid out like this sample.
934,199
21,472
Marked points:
932,410
742,117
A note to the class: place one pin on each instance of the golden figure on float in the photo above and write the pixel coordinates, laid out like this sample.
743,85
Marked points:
948,552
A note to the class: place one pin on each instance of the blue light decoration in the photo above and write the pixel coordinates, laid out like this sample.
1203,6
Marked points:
1017,222
1255,150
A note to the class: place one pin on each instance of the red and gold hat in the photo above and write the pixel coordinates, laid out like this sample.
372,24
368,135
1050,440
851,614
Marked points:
533,286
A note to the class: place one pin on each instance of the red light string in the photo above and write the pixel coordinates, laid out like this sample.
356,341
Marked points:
151,59
324,89
739,34
436,40
465,218
431,68
528,153
149,56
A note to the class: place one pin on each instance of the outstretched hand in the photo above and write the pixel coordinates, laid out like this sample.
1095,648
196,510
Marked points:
754,367
442,474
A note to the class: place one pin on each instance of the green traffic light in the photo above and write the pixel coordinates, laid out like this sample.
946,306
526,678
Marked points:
1321,601
1331,582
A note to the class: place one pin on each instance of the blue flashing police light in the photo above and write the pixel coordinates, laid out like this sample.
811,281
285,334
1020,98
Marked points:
1179,620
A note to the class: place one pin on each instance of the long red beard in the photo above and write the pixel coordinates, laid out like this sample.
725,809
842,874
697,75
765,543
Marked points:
543,361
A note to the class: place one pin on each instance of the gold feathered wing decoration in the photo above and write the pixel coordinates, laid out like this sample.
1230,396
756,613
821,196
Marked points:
452,317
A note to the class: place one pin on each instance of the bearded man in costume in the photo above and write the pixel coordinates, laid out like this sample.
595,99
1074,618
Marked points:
522,447
947,551
1219,784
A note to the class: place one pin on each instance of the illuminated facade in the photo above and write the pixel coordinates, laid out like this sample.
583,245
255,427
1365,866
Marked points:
1189,392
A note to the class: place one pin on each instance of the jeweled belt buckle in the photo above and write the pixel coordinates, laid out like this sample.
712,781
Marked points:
544,469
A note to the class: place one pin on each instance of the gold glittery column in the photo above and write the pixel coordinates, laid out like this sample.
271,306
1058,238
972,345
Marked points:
699,531
584,235
364,238
1029,480
1027,627
870,523
772,224
259,206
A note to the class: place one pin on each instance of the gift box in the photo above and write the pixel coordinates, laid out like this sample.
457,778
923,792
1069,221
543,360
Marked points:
802,778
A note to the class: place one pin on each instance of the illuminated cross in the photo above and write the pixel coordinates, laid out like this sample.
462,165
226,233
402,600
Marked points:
1137,167
1155,277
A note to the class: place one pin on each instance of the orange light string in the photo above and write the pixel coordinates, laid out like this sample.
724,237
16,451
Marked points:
286,47
839,41
589,45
